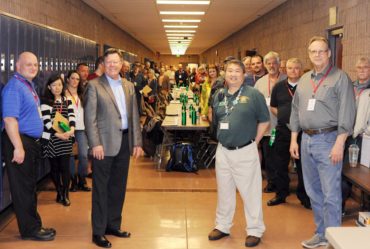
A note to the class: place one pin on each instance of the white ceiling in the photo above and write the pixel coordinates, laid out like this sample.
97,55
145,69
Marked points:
141,19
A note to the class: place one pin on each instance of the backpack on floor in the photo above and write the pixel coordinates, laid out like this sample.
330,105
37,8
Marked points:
182,158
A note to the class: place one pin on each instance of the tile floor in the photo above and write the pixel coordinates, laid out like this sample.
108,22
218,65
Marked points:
166,210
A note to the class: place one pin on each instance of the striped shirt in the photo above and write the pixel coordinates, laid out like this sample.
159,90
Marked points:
53,146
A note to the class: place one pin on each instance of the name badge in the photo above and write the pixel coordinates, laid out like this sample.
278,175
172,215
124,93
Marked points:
224,126
39,110
180,76
311,104
268,101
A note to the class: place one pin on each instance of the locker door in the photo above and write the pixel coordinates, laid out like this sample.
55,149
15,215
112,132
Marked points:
4,55
52,49
21,37
13,44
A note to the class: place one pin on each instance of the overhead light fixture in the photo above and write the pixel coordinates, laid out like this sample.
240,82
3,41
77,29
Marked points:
197,13
181,20
180,31
183,2
179,34
181,26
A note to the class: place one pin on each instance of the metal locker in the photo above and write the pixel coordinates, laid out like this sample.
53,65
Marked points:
21,46
35,39
4,49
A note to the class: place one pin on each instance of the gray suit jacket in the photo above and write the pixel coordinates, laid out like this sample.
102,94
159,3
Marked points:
103,119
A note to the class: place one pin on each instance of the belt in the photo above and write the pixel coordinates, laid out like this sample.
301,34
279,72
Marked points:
320,131
238,147
29,137
124,131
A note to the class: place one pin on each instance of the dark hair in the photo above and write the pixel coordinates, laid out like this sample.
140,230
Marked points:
80,88
235,62
229,58
48,97
98,61
81,64
110,51
257,55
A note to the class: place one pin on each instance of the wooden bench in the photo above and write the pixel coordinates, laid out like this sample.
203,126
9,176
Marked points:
359,177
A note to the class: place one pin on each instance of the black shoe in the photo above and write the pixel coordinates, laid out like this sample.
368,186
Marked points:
101,241
276,201
216,234
52,230
41,235
117,233
66,202
252,241
269,188
82,184
59,198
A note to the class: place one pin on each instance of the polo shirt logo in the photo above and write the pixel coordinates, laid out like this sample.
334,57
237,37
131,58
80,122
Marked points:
244,99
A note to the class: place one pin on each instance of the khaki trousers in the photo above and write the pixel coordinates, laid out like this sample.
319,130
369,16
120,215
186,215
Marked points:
239,169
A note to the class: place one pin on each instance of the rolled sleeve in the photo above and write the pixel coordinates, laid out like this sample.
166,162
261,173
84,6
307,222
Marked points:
347,105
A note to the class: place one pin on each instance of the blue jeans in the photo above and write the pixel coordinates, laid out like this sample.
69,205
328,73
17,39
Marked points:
81,140
322,180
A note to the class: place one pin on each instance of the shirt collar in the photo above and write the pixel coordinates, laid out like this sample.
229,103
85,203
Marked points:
113,81
322,73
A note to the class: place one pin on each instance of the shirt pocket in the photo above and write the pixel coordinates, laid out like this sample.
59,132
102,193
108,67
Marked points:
325,93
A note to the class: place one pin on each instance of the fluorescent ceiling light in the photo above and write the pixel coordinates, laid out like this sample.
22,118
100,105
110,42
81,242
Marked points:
183,2
181,26
180,20
178,38
180,31
198,13
179,34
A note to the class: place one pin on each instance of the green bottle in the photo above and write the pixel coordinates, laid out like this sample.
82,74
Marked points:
272,137
64,126
183,115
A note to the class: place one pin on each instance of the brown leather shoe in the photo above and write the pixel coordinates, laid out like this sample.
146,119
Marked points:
216,234
252,241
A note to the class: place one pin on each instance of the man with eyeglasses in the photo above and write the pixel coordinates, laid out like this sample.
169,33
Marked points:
324,108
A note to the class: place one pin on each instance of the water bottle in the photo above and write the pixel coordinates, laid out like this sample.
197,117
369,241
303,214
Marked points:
198,116
183,115
64,126
353,155
272,138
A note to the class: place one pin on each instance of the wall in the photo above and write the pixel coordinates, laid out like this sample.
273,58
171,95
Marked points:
288,28
76,17
174,60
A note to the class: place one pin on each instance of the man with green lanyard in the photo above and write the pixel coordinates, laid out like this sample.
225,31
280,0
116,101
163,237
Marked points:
241,116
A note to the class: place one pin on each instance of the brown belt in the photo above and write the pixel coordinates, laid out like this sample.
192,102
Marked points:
320,131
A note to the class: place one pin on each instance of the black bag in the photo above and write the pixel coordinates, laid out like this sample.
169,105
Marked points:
182,158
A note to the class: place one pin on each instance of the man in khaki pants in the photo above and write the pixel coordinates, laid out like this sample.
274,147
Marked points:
241,116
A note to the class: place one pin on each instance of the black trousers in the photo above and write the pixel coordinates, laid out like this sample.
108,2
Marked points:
267,157
60,172
281,161
23,179
109,189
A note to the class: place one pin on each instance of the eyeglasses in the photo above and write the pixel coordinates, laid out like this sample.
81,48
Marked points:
319,52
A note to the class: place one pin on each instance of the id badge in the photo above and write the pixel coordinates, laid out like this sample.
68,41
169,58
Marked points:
311,104
224,125
39,110
268,101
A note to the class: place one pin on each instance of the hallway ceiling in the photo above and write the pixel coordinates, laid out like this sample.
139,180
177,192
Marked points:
142,20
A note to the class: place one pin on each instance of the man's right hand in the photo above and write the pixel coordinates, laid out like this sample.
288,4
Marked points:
294,150
18,156
98,152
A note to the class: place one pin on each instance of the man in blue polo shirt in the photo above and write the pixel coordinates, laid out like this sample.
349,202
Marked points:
23,128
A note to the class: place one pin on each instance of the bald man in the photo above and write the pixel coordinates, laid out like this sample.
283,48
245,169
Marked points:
21,146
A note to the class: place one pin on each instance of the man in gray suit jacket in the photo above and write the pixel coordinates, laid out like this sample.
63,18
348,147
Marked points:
113,130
